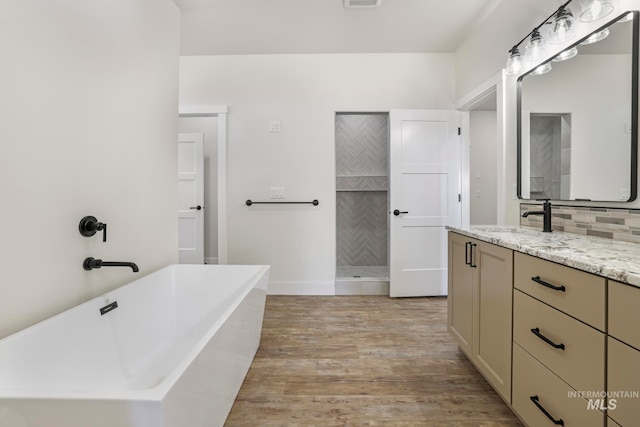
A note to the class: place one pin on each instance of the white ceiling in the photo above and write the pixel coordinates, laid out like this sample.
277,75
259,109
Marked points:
219,27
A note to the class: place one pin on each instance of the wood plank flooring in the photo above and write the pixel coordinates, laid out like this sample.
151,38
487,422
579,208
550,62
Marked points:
363,361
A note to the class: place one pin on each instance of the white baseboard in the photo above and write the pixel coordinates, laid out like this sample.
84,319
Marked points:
211,260
302,288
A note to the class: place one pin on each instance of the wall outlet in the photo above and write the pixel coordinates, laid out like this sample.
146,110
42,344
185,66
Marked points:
274,126
276,192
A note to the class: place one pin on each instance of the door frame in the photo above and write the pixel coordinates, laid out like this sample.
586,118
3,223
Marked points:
219,111
495,84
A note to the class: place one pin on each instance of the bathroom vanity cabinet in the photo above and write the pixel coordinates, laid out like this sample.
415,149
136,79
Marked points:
623,352
479,315
558,342
550,338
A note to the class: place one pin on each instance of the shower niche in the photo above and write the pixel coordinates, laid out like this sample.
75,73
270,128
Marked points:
362,203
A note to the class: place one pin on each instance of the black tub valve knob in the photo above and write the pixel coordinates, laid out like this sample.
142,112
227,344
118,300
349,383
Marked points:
89,226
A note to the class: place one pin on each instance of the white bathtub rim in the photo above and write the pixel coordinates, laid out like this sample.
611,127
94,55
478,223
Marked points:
151,394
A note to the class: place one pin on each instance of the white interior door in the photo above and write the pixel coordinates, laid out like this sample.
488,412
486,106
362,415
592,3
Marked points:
190,198
424,175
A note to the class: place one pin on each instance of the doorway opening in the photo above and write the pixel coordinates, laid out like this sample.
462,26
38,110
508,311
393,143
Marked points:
362,203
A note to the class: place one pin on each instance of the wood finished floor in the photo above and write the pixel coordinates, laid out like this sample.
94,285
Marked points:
363,361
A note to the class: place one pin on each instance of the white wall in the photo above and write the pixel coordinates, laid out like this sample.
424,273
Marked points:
482,176
303,92
89,119
208,126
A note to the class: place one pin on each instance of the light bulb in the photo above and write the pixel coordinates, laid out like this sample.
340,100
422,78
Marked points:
535,49
592,10
514,63
563,30
596,37
566,54
542,69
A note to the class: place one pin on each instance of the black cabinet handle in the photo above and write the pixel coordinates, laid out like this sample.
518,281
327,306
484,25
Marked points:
473,245
466,253
536,402
398,212
536,332
547,284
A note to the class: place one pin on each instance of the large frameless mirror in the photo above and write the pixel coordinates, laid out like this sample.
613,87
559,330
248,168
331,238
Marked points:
578,122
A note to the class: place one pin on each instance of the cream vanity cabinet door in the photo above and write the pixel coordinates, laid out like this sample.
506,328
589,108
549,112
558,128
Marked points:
460,295
480,306
623,351
493,290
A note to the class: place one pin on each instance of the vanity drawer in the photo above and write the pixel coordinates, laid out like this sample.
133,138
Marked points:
531,379
581,359
579,294
623,375
624,316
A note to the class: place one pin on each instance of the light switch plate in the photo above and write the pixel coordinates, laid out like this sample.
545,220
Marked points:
274,126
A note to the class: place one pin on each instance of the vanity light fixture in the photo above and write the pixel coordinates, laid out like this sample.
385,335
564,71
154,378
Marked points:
536,49
542,69
566,54
563,29
592,10
514,63
596,37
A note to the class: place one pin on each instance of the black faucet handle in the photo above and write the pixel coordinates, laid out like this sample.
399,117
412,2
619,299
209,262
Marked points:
89,226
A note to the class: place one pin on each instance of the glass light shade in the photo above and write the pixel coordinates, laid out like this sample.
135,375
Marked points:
514,63
563,29
592,10
596,37
566,54
542,69
536,49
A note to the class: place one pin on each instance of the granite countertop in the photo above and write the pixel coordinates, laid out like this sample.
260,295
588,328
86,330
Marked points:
613,259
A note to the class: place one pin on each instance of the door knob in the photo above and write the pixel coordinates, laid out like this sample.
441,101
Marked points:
397,212
196,207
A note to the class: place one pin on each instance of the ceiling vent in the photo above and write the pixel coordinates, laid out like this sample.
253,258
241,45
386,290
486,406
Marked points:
361,3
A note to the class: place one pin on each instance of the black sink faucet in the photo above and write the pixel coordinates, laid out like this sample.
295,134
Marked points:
91,263
546,211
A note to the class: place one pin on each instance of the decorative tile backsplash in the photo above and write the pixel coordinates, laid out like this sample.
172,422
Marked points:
610,223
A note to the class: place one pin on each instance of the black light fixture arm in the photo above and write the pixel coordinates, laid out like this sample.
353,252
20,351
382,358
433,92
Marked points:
515,46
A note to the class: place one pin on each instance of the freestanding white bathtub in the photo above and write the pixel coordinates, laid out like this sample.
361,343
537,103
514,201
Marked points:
173,353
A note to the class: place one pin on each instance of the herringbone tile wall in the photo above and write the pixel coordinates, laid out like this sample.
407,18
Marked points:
361,221
361,184
361,145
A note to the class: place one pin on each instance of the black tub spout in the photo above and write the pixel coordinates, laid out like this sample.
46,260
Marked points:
91,263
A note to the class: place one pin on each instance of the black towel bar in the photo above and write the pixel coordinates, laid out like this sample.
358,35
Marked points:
314,203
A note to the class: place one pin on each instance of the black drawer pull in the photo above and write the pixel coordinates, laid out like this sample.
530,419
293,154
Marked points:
536,332
466,253
534,399
473,245
548,285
